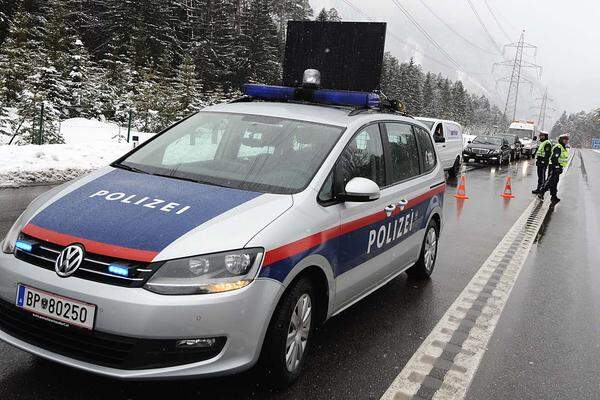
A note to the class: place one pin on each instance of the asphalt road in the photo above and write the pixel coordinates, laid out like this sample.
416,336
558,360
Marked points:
358,353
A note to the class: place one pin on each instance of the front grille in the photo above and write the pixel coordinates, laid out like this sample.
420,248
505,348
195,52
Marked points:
94,266
100,348
481,151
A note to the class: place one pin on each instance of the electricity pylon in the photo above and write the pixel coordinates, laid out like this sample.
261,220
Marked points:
543,109
516,77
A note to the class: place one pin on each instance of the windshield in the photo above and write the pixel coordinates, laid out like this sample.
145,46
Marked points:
522,133
487,140
248,152
428,124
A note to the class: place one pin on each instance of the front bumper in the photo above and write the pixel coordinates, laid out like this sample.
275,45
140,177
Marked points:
240,316
481,158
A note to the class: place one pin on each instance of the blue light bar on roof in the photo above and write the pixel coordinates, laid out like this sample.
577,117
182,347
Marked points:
320,96
266,92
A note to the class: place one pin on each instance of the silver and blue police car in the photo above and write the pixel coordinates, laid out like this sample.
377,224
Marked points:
225,239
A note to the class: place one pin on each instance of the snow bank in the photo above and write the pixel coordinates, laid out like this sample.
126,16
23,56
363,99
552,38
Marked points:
23,165
81,130
89,144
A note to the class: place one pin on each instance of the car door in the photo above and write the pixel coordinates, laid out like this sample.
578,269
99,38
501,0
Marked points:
441,146
453,142
362,261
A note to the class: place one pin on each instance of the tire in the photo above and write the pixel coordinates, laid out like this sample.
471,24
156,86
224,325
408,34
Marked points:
275,346
455,170
426,263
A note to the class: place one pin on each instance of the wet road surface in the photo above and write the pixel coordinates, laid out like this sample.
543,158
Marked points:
547,342
358,353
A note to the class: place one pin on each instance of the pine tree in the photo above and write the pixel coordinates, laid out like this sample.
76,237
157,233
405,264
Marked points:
219,56
82,82
323,16
333,15
21,53
428,94
260,34
187,88
459,103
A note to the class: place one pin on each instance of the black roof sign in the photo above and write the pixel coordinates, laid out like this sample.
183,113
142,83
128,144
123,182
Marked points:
349,55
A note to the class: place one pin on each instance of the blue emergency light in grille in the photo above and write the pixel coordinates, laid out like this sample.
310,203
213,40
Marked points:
320,96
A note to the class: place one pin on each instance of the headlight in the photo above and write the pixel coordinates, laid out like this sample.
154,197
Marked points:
209,273
8,245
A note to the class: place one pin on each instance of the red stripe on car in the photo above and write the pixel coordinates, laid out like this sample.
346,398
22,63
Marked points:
291,249
91,246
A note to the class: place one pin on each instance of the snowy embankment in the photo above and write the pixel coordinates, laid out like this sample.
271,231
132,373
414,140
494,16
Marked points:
89,146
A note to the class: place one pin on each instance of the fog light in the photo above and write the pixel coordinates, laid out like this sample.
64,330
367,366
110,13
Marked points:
196,343
23,245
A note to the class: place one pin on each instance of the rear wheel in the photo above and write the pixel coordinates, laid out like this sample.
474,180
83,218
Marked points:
426,263
289,333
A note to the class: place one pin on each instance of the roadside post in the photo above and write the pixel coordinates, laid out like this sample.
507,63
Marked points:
129,127
41,131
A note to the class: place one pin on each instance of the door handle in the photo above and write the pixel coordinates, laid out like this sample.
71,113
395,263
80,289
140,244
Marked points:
389,209
402,203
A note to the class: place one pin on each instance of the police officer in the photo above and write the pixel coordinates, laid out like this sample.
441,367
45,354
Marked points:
558,161
542,157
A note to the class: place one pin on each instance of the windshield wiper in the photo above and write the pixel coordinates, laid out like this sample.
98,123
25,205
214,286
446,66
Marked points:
128,168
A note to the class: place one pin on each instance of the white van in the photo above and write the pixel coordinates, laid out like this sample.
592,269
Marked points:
448,139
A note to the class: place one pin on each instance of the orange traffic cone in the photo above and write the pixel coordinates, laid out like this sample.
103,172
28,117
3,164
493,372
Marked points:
508,189
461,191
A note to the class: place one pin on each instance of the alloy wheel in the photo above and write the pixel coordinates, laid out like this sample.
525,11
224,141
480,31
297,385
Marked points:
298,331
430,249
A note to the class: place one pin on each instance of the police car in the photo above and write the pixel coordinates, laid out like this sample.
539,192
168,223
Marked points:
226,238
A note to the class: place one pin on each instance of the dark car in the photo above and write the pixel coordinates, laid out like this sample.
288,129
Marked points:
515,144
490,149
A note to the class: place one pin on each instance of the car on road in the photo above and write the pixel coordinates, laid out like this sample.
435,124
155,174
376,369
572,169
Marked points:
489,149
224,240
448,139
516,147
526,131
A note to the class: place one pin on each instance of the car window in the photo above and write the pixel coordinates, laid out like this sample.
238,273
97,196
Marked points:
363,157
439,131
427,149
452,132
251,152
404,152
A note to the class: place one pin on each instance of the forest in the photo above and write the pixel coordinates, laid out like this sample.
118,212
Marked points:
159,60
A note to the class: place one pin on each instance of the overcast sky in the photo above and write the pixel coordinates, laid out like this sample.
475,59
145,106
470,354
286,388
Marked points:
567,34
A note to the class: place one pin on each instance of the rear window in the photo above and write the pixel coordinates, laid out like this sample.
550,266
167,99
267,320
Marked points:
250,152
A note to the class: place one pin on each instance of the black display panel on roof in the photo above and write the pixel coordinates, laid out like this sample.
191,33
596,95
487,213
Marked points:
349,55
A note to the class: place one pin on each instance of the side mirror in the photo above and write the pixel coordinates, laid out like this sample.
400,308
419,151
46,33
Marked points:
469,142
535,138
360,190
439,139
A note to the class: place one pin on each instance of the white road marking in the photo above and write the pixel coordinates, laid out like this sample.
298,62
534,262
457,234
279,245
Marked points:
444,365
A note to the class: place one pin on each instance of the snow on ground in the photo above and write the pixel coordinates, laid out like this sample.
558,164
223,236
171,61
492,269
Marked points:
89,145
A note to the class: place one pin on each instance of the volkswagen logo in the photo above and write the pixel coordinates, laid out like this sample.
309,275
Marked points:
69,260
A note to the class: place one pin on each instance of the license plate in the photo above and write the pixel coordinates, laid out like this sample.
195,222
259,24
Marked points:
54,308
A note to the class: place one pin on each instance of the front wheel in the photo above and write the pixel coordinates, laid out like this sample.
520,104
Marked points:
426,263
289,333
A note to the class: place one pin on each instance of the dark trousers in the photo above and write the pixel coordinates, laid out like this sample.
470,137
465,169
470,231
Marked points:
541,172
552,182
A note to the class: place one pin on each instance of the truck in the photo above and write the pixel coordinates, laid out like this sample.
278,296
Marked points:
527,133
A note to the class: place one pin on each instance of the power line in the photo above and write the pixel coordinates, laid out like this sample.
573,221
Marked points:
496,45
427,35
451,29
397,38
496,19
